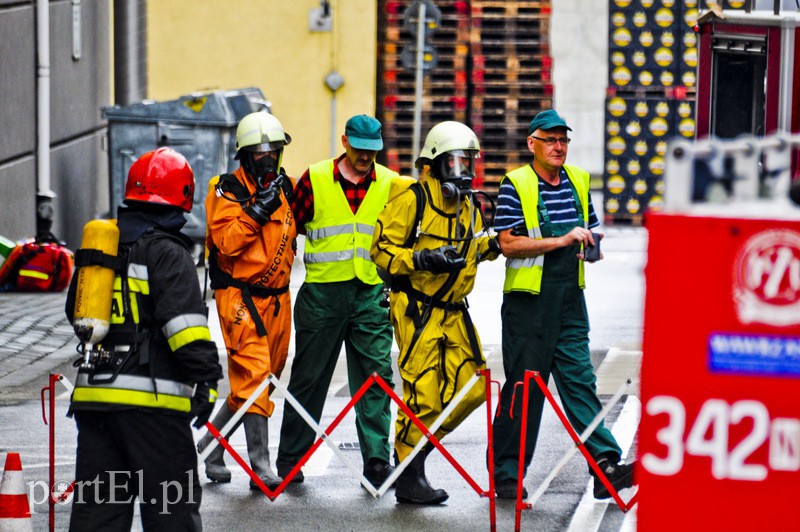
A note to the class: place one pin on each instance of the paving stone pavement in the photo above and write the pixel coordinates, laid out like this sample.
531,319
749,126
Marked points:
35,338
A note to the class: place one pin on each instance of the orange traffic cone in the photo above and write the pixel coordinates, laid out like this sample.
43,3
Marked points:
15,512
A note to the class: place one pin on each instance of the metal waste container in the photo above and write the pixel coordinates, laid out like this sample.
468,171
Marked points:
202,127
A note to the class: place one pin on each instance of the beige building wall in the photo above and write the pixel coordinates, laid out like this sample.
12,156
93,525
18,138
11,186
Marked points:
230,44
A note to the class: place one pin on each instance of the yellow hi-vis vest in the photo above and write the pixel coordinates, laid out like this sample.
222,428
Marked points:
338,241
525,274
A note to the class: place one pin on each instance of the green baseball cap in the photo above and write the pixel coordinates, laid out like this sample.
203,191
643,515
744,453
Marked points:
364,133
547,120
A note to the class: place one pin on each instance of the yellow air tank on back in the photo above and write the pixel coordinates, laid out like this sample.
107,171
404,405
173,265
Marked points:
95,284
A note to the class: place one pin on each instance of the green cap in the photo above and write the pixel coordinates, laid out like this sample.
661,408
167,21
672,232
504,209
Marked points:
547,120
364,133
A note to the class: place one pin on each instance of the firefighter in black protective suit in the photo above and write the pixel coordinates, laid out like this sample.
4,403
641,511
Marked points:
155,370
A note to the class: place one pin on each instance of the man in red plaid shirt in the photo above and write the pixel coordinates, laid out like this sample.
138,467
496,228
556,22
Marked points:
336,204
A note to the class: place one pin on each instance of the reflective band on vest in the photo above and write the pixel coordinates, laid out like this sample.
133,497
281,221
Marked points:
133,390
185,329
338,241
337,256
325,232
525,274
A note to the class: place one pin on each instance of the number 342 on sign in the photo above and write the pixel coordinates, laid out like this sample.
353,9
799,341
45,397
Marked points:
709,436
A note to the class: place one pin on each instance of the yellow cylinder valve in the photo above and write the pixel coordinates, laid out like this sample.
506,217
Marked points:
95,285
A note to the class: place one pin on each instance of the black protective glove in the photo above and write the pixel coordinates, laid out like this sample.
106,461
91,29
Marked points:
444,259
203,401
267,201
494,245
285,184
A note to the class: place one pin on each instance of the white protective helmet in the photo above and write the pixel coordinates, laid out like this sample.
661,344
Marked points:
447,137
259,132
256,133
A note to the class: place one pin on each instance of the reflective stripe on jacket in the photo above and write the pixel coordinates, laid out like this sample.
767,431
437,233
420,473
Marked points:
525,274
338,241
185,329
134,390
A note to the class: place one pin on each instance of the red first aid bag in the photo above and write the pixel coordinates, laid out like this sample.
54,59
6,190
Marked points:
36,266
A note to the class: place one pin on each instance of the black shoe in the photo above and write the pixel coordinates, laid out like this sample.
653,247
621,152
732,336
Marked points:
377,471
283,471
419,494
269,481
620,476
507,489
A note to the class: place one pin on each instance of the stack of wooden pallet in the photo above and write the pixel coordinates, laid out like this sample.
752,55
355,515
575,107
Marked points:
493,74
510,80
445,86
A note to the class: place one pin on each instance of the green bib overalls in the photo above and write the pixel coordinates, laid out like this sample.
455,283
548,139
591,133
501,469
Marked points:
548,333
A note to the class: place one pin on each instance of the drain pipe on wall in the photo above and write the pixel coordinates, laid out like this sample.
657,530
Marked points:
44,196
321,20
130,51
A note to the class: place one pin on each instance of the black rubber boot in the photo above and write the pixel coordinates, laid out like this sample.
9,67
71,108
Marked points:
256,432
215,463
413,487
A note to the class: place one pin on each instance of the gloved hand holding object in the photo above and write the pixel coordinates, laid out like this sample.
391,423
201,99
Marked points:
203,401
494,245
267,201
285,184
443,259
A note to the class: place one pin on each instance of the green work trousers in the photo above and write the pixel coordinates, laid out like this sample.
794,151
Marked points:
325,316
547,333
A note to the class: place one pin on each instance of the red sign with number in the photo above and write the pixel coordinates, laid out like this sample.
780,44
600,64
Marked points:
719,437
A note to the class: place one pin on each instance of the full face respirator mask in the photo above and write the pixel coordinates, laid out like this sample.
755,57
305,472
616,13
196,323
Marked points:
265,168
456,170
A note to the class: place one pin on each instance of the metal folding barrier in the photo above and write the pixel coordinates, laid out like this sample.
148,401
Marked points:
579,446
324,436
52,498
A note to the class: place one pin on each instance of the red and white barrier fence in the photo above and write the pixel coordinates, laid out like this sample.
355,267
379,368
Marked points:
324,436
579,440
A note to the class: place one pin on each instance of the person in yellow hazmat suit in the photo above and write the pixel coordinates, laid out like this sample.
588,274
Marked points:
430,239
251,242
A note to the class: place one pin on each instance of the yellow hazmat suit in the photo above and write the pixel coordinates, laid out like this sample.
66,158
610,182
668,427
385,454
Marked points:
439,346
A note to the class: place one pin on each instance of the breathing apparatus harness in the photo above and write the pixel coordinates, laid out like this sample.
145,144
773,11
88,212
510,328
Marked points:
106,360
231,189
458,187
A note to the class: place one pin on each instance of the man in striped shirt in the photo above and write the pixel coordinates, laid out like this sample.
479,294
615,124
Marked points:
544,217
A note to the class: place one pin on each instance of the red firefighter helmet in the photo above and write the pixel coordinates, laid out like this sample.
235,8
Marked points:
162,176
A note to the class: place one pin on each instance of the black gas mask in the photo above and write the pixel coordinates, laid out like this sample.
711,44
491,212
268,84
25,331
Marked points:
264,168
456,170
